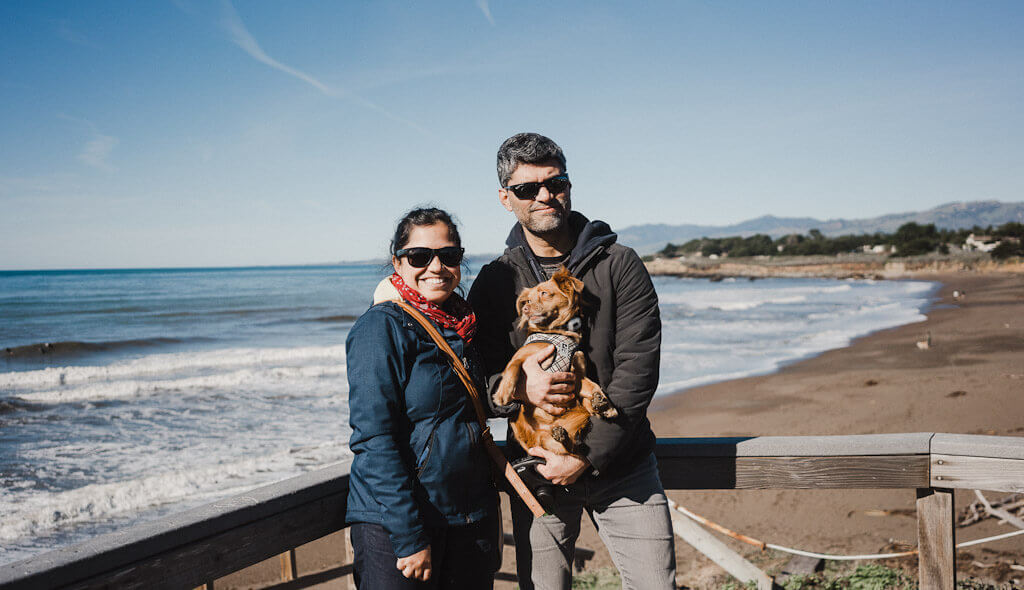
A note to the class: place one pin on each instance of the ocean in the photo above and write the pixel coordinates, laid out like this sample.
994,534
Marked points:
129,394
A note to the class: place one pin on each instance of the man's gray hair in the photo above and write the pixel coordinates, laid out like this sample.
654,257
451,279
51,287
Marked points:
526,148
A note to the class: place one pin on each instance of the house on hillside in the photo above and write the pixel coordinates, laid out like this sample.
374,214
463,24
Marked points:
980,243
878,249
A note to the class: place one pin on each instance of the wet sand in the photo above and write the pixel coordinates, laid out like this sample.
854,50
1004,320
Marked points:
970,380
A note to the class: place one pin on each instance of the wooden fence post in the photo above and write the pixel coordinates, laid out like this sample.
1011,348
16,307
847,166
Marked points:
936,540
717,551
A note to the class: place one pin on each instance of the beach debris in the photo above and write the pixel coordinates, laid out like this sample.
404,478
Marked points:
984,508
799,565
885,512
1005,515
958,294
926,343
870,383
957,393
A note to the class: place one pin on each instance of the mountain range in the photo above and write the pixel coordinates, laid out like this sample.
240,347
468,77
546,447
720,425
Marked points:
650,238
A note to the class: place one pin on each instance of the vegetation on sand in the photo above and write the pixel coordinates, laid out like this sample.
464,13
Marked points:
910,239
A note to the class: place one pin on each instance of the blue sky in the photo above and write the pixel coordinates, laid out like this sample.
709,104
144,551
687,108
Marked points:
206,133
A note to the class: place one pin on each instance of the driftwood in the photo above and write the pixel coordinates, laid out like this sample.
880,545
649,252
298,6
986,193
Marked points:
1011,506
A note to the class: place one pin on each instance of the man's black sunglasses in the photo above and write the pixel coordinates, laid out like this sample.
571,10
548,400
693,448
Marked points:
422,257
528,190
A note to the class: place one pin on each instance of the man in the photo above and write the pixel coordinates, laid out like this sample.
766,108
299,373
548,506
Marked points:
615,478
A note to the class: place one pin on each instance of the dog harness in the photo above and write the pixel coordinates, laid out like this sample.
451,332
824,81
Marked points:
565,347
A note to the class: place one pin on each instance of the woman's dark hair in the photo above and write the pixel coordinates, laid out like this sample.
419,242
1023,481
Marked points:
422,216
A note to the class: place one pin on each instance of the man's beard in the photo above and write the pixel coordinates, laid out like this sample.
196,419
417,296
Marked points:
547,223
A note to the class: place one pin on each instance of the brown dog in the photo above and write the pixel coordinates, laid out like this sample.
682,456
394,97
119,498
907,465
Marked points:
550,313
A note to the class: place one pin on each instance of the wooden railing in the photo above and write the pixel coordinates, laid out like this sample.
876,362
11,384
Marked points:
191,548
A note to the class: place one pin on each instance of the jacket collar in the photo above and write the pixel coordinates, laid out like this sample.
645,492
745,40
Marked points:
591,237
385,291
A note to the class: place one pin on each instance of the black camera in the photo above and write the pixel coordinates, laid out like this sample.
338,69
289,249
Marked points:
542,489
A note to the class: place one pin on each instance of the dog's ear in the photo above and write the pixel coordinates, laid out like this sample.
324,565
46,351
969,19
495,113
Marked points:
571,288
520,302
568,284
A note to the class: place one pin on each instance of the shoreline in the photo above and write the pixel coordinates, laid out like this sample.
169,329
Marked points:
933,304
969,380
854,266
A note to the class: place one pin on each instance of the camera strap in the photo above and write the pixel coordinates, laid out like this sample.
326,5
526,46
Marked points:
485,432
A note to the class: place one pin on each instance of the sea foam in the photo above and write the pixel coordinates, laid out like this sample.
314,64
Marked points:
38,514
162,364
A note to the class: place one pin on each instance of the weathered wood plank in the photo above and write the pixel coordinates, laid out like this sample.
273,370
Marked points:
717,551
288,571
936,539
916,443
152,540
227,552
976,445
977,473
718,473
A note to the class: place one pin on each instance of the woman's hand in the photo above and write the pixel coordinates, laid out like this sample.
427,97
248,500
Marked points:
416,566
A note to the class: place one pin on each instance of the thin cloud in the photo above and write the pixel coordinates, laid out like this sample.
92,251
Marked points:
486,9
97,150
241,36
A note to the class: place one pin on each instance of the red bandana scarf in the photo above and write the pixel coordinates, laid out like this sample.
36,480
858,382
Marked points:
462,319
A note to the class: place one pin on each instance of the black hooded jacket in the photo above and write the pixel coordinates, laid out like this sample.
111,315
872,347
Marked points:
621,335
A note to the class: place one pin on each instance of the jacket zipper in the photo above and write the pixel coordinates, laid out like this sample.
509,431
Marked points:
430,449
531,262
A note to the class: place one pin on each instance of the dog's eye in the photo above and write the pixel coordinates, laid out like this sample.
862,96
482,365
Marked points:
545,294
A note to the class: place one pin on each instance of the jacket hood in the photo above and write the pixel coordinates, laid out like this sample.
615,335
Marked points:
385,291
590,235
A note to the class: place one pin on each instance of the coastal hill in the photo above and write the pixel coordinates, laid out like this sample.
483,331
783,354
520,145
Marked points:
649,238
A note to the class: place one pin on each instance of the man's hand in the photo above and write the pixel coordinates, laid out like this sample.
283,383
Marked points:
547,391
416,566
559,469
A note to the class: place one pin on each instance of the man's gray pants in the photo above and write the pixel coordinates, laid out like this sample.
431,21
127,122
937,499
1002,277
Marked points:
630,513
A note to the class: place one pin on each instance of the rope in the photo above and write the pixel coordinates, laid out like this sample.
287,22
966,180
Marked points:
987,539
762,545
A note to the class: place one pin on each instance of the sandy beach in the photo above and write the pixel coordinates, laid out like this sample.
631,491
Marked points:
970,380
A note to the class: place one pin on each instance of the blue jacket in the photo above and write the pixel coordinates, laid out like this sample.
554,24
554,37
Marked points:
418,459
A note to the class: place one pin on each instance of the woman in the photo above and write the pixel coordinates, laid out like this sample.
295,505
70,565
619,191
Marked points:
421,505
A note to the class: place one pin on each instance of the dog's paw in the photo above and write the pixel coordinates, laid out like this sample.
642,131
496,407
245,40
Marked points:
503,396
561,436
602,406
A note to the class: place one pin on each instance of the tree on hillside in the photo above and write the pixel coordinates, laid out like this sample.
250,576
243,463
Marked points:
912,239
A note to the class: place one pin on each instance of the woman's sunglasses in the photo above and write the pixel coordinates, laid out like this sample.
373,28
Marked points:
421,257
529,190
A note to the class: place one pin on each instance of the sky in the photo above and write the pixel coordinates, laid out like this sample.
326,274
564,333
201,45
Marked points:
213,133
